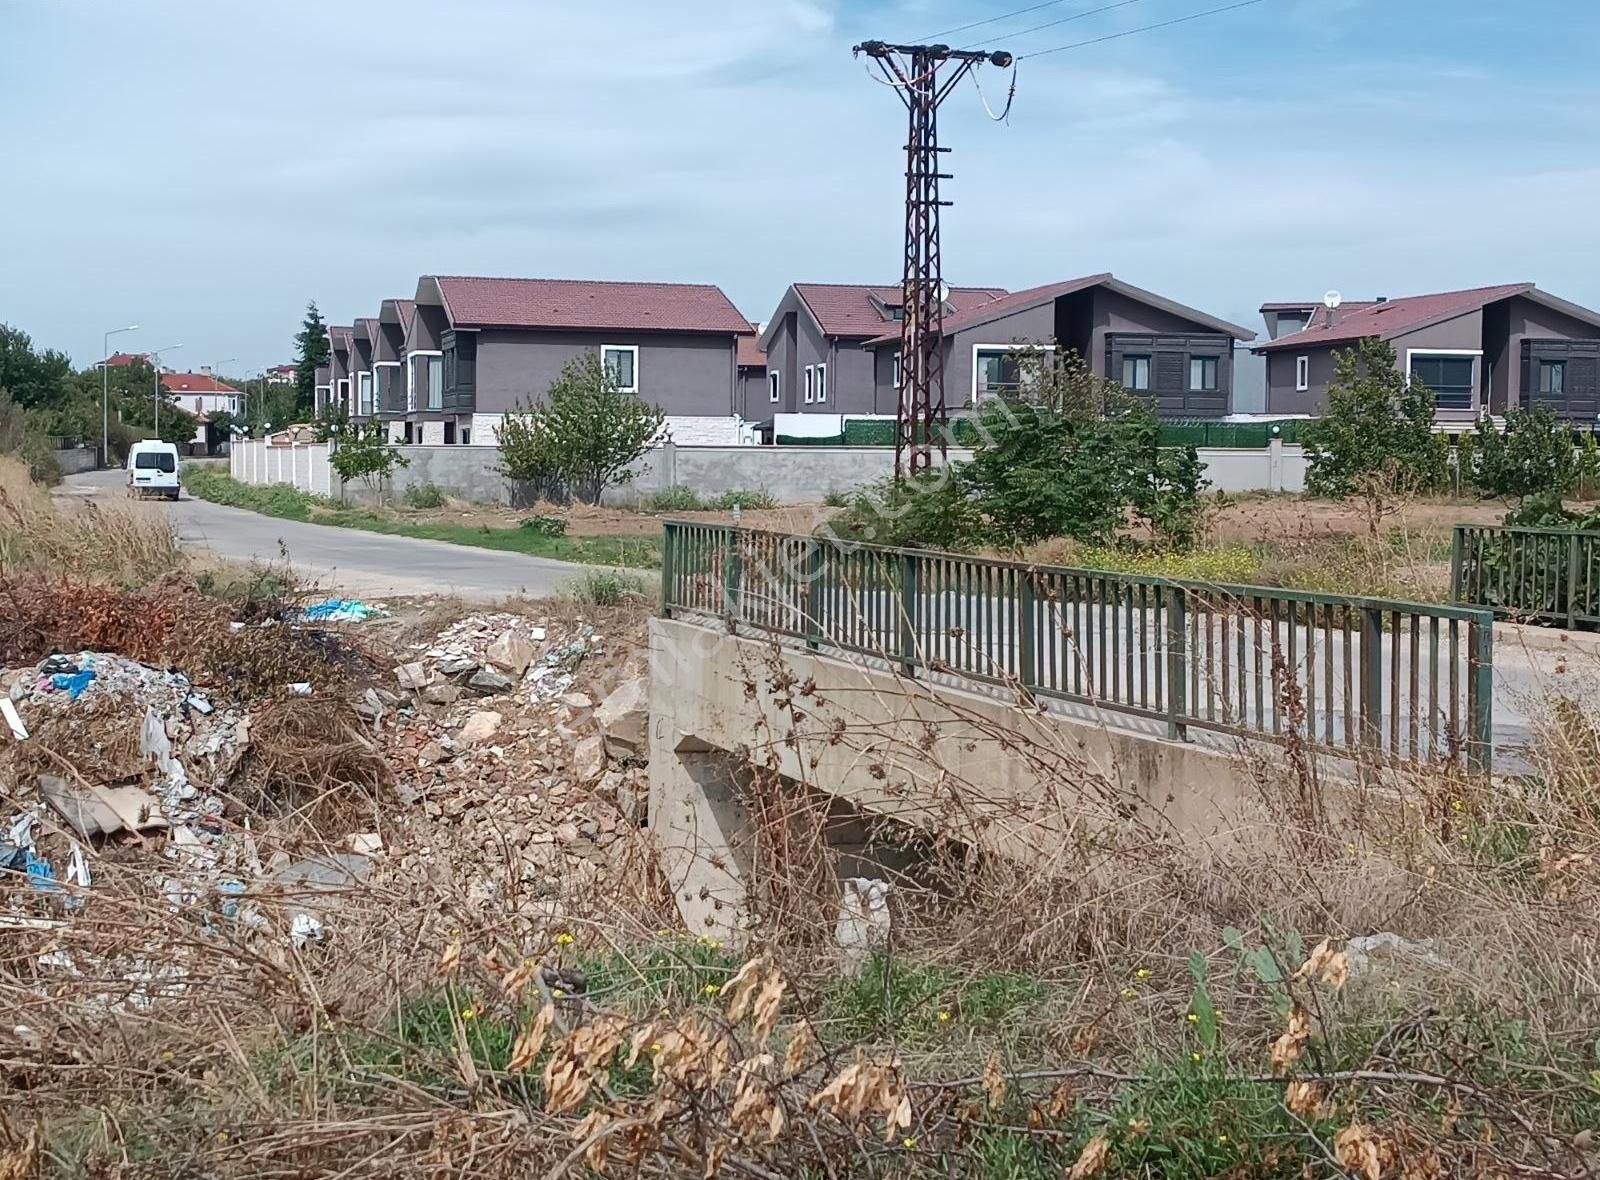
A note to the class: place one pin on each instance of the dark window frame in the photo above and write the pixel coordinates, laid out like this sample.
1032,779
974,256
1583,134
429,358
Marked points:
1557,370
1133,358
1208,364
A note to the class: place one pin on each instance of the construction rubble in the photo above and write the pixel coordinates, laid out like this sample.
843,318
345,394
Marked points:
500,760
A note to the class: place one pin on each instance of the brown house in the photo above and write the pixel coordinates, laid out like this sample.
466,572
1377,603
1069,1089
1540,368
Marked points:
1482,349
1177,356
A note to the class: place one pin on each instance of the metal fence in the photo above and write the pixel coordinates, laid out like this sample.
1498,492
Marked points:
1393,681
1539,575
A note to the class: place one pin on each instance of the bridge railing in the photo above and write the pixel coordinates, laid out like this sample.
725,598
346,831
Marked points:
1378,679
1538,575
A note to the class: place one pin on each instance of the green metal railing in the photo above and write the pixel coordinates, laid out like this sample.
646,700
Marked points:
1396,681
1539,575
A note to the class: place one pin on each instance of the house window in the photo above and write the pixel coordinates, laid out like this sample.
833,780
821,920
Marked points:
997,373
199,404
1302,373
1202,373
773,387
1136,373
1288,323
344,393
364,393
466,436
1449,377
822,383
894,370
810,383
622,362
1553,377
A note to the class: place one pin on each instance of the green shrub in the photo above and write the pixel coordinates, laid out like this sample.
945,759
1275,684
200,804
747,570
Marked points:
1376,441
1072,457
836,499
931,511
545,525
1532,455
583,438
365,453
424,495
606,588
674,499
745,498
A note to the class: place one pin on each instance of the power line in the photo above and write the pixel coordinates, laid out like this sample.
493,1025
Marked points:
1177,20
1075,16
993,19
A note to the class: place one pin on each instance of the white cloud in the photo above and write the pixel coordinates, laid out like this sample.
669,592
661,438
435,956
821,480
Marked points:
206,168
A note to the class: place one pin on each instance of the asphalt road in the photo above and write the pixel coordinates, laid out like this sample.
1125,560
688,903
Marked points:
347,560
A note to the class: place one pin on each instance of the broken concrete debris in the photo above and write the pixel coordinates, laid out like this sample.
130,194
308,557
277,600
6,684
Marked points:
505,786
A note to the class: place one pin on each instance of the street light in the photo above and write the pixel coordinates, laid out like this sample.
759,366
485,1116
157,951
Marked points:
216,368
105,391
156,360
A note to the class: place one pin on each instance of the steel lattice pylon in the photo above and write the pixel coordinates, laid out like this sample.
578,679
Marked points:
918,76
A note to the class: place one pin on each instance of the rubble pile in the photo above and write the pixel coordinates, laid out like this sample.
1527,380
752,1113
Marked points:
501,760
516,750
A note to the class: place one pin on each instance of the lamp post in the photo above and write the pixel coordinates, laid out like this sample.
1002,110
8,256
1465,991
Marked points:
105,392
156,357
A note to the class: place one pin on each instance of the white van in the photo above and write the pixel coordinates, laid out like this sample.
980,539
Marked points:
153,469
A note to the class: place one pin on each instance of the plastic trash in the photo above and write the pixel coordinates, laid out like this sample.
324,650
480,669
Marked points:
304,929
199,704
339,610
8,709
40,875
74,684
300,688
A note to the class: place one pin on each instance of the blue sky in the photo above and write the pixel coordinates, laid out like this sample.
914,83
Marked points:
204,168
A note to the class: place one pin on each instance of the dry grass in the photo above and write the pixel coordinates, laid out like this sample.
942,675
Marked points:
1126,1001
124,543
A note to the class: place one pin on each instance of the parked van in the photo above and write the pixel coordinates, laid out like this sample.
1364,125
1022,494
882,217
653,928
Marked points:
153,469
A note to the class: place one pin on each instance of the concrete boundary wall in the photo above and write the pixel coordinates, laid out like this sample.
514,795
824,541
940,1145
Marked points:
792,474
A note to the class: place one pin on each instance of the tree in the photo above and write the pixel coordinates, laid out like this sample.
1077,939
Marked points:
586,435
32,378
363,452
1376,440
1071,455
1533,455
312,351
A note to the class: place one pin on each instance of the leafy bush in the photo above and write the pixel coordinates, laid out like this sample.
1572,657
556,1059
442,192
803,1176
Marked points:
932,511
745,498
1072,456
424,495
364,452
582,439
1533,455
674,499
606,588
1376,440
1588,475
836,499
546,525
22,434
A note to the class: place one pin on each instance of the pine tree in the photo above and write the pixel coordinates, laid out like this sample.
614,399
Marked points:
312,351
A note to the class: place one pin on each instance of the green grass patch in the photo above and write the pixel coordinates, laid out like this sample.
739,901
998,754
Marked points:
1222,563
285,502
919,1001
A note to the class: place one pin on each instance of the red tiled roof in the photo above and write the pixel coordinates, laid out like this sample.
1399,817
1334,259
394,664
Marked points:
118,360
751,354
570,303
1391,318
845,310
194,383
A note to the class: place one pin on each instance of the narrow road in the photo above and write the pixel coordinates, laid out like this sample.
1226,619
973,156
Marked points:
348,560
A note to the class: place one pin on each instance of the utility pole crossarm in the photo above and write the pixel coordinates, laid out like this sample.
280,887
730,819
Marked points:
914,73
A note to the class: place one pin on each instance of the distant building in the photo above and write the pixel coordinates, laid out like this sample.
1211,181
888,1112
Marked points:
1484,349
121,360
202,395
282,374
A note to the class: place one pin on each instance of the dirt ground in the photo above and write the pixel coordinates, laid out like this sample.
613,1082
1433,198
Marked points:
1277,518
1248,519
585,520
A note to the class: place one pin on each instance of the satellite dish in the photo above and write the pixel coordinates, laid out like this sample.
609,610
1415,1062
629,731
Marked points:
944,291
1332,300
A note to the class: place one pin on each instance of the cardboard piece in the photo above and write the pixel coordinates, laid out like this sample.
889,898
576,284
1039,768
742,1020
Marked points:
102,810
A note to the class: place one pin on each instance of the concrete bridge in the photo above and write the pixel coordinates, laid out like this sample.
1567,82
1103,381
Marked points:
782,685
